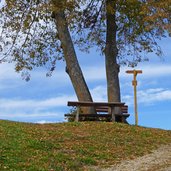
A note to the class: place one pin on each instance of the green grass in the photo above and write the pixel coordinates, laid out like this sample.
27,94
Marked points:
73,146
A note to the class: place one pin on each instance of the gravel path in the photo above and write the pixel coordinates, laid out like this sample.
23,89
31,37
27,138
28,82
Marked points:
159,160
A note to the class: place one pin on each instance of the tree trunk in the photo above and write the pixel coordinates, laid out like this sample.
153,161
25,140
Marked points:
72,66
111,51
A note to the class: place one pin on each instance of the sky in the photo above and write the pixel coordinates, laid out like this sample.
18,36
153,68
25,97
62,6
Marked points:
44,99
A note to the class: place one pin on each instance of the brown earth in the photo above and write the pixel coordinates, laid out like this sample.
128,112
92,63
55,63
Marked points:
158,160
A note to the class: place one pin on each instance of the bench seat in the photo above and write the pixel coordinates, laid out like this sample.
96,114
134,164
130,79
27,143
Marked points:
99,117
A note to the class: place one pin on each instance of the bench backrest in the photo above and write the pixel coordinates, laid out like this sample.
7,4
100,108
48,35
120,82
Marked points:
105,109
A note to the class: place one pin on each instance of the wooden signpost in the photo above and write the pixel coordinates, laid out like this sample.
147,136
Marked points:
134,83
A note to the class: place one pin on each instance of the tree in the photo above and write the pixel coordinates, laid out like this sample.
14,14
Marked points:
125,31
36,33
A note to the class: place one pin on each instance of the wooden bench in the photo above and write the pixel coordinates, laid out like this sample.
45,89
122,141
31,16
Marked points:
113,111
104,110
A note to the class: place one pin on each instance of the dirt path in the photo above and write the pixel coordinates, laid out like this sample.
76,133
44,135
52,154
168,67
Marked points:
159,160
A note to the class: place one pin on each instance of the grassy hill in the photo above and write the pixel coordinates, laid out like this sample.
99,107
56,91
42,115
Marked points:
73,146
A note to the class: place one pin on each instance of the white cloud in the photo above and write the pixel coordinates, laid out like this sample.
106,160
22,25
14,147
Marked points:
94,73
35,103
99,93
32,114
91,73
154,95
2,3
33,109
9,79
7,71
97,72
149,96
45,122
40,117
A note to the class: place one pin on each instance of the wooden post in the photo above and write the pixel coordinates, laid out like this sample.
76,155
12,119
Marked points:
113,113
77,114
134,83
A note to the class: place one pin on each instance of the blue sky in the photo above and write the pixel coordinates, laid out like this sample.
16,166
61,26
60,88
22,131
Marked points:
44,99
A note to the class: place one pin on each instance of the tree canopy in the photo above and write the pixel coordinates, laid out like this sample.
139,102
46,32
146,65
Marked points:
140,24
29,34
28,30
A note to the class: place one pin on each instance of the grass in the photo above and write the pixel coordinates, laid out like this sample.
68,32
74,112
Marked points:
73,146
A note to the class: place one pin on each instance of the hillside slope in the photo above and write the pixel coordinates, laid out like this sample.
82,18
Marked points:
74,146
158,160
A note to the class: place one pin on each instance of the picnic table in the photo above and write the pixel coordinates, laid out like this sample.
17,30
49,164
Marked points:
112,111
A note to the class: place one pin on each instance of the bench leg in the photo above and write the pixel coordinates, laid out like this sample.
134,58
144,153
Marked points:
114,111
77,114
113,114
122,119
